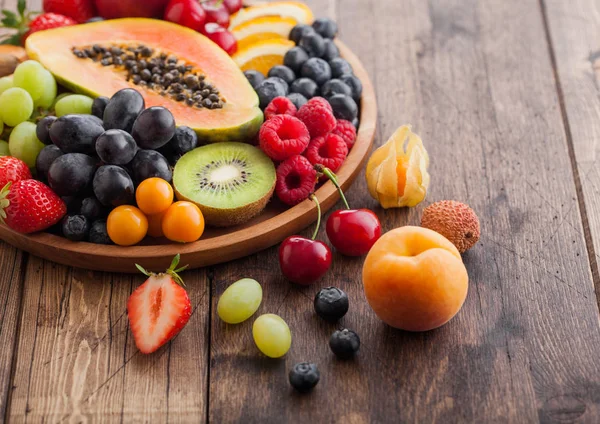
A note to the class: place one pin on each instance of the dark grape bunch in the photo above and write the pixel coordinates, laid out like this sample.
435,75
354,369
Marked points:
312,68
95,162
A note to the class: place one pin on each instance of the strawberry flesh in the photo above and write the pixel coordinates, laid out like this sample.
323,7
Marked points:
157,311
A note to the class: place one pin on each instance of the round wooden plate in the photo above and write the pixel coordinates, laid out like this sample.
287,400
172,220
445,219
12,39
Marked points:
217,244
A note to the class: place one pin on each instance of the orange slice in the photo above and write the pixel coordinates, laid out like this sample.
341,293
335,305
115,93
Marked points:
263,28
263,55
290,9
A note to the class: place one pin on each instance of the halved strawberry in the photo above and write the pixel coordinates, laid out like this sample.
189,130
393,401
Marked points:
159,308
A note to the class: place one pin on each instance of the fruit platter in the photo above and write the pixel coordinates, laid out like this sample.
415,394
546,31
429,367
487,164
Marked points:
212,133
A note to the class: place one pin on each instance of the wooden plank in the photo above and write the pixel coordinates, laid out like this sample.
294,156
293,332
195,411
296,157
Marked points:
574,30
77,360
475,80
11,289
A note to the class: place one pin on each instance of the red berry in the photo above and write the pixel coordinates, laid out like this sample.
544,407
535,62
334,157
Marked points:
353,232
30,206
187,13
330,151
317,116
283,136
233,5
280,106
80,10
223,38
216,12
48,21
296,180
13,170
304,261
346,130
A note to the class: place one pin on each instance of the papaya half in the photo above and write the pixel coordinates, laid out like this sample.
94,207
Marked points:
205,90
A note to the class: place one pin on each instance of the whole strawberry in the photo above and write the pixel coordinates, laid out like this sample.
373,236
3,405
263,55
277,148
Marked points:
26,24
158,309
79,10
28,206
13,170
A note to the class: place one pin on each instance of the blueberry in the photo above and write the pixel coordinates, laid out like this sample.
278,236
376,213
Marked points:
344,107
335,86
92,209
331,51
307,87
295,58
304,377
331,304
73,204
184,140
300,31
340,67
317,70
254,78
282,72
297,99
269,89
45,159
98,106
355,84
314,44
113,186
325,27
43,129
98,233
75,227
150,163
116,147
344,343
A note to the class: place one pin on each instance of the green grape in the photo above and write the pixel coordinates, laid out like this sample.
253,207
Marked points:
4,148
30,76
1,127
16,106
58,98
6,83
24,144
272,335
240,301
75,103
49,95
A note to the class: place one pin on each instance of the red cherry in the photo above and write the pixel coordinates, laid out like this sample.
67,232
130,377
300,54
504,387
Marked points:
221,36
216,12
187,13
233,5
304,261
353,232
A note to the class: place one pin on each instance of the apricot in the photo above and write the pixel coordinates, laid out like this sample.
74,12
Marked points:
415,279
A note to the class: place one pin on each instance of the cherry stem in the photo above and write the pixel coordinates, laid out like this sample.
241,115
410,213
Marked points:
331,175
314,198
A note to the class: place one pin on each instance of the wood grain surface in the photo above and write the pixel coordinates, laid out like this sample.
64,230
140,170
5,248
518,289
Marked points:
504,95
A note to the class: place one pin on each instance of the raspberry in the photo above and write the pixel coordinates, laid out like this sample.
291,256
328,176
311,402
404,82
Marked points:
296,180
330,151
318,117
283,136
280,106
347,131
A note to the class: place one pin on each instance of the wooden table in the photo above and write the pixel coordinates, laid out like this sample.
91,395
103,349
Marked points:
506,95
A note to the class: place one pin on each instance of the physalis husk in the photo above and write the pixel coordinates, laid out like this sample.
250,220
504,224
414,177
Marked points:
397,172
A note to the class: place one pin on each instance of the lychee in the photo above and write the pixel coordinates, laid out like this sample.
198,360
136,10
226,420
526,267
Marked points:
455,221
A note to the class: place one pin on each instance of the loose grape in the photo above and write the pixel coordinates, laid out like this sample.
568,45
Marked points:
49,94
240,301
6,83
272,335
30,76
16,106
58,98
74,104
4,148
24,144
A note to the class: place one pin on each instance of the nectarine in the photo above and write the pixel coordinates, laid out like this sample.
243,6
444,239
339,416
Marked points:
415,279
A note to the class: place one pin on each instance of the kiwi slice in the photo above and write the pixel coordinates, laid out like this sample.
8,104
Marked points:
230,182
